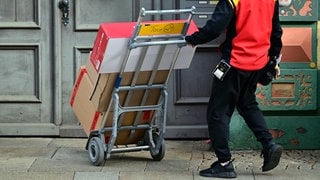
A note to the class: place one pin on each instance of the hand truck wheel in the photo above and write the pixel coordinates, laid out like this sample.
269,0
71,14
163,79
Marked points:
157,155
96,151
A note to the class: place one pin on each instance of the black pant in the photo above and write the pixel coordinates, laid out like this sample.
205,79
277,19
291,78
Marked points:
236,90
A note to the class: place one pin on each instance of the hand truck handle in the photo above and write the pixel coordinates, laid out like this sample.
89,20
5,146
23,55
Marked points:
180,43
179,38
143,12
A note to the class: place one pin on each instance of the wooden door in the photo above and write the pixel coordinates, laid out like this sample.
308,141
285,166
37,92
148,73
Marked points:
26,64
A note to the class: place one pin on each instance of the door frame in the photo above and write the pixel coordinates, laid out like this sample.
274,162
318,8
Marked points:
57,57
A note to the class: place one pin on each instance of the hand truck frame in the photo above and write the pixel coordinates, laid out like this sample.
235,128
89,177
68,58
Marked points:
98,147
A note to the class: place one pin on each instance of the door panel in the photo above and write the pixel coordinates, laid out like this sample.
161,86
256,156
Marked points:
189,94
25,57
20,14
89,14
190,88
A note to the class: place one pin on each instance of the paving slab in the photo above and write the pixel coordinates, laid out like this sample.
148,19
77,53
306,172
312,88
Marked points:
184,175
125,164
24,142
287,175
96,176
71,154
65,159
50,165
79,143
168,165
16,164
26,147
36,176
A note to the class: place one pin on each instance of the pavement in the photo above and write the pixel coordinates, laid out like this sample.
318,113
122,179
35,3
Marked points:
66,158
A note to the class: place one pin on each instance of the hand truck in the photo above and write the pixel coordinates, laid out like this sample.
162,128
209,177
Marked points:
99,147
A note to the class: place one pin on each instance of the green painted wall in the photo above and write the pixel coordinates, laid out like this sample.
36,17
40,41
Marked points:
293,132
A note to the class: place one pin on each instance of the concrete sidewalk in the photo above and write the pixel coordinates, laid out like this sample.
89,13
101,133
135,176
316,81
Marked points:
60,158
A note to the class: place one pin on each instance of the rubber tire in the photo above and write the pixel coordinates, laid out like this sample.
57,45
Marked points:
96,151
162,150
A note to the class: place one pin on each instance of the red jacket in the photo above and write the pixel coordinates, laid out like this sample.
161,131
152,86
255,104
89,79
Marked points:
253,32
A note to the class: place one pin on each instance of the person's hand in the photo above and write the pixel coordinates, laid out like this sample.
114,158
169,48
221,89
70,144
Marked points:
189,42
277,68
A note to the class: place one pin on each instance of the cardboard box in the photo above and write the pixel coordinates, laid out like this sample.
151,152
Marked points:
83,108
104,85
90,119
111,45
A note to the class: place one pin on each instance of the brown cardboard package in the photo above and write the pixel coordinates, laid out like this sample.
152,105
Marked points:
84,109
104,85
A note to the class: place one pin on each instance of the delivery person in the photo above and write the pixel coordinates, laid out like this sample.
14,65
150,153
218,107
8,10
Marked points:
253,37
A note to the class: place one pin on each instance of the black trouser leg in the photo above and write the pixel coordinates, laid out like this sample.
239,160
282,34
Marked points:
248,108
220,109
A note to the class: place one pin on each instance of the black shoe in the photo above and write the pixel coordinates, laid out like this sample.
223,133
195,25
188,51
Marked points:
219,171
271,157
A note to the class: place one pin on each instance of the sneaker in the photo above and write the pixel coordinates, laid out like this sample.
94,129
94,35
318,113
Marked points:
271,157
219,171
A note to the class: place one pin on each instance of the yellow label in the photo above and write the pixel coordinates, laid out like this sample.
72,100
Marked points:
163,28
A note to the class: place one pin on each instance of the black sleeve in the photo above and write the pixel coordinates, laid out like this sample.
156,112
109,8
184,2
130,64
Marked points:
276,34
219,21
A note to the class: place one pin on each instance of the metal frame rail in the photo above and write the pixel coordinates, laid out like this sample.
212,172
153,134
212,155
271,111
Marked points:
98,149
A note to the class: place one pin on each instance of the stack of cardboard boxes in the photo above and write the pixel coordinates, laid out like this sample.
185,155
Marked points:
95,81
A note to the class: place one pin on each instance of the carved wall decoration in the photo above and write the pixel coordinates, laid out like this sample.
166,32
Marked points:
298,10
293,90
